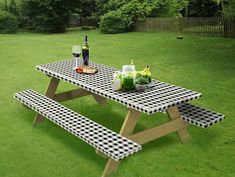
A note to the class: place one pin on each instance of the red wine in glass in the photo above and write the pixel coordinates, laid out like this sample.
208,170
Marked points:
76,52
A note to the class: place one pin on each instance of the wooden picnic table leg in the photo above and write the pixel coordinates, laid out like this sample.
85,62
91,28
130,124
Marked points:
71,94
174,114
126,130
50,93
102,101
99,99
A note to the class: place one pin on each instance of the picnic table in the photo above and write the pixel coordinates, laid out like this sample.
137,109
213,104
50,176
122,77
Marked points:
162,97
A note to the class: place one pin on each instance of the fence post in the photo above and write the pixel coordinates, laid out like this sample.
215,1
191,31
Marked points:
180,25
225,24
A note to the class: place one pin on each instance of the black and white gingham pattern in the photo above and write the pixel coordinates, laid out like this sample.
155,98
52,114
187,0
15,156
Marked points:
105,140
199,116
156,99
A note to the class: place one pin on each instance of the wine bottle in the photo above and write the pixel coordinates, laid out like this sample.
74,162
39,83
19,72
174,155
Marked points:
85,52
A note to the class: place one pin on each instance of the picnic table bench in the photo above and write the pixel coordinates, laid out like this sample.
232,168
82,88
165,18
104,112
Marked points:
163,97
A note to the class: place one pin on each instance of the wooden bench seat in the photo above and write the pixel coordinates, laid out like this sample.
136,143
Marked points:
199,116
106,141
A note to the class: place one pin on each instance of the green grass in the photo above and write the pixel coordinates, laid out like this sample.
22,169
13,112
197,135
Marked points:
204,64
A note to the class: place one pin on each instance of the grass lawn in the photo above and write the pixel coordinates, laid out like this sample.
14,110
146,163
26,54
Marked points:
204,64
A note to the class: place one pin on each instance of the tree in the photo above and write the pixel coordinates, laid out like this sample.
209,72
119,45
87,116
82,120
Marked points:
51,16
125,13
105,6
232,7
11,6
203,8
87,8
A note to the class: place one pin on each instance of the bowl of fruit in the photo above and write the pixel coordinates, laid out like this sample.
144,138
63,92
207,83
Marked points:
143,79
82,69
129,79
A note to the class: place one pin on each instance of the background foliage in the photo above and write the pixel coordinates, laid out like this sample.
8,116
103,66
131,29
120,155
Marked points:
135,9
232,7
8,22
48,15
53,16
115,22
204,8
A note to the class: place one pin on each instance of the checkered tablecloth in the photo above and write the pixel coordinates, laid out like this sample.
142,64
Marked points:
108,142
155,99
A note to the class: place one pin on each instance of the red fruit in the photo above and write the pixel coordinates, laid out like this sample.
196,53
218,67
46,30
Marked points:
79,69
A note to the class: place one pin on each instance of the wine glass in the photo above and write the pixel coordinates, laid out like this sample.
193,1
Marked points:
76,52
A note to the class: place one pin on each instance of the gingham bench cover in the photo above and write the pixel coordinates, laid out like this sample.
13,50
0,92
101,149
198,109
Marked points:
108,142
199,116
156,99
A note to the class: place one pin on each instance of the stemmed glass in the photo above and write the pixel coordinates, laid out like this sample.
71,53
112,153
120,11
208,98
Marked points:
76,52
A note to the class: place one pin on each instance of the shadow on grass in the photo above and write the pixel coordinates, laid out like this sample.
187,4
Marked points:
109,116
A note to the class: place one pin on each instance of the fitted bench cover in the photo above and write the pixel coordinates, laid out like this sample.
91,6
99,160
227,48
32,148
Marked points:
199,116
108,142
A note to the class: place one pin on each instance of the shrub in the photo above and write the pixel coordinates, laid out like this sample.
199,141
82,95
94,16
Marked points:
48,15
135,9
12,6
105,6
115,22
203,8
119,13
8,22
232,8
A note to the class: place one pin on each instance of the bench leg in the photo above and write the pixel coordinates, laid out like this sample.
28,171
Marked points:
174,114
50,93
126,130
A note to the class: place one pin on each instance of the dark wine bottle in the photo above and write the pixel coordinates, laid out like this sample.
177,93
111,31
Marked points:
85,52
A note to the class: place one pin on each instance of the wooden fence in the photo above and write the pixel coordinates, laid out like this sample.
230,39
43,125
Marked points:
84,21
212,26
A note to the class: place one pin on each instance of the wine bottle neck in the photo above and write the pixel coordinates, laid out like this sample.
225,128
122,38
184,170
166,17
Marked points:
85,40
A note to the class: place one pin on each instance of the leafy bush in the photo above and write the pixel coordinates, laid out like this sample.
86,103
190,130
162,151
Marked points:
105,6
14,7
232,8
8,22
169,8
115,22
2,4
51,16
133,10
203,8
124,18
